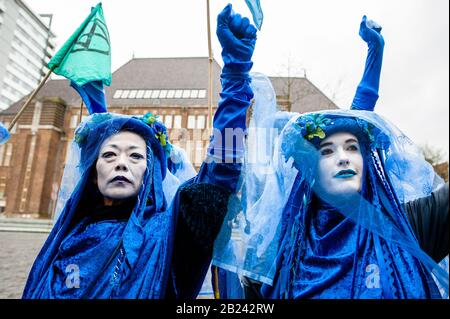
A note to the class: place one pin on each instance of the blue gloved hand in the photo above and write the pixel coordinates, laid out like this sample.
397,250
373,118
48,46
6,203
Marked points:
237,37
4,134
370,32
366,95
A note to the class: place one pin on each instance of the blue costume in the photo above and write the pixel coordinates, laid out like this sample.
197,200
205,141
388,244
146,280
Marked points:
302,244
158,244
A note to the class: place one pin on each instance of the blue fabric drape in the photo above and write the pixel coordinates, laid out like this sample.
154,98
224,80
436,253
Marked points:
93,95
136,252
326,254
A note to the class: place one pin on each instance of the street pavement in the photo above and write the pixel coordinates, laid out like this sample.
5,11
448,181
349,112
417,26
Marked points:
18,251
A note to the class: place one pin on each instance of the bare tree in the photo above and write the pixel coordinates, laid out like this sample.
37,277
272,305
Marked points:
335,90
438,159
290,72
433,155
292,90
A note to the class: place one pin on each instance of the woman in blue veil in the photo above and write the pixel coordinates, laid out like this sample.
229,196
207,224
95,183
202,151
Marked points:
133,220
347,208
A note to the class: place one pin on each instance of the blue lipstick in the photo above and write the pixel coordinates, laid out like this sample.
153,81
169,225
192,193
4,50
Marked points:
346,173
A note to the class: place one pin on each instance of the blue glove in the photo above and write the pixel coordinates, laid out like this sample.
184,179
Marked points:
224,160
367,92
237,37
4,134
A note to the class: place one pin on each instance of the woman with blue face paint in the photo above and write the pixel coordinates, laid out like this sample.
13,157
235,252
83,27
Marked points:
348,207
135,221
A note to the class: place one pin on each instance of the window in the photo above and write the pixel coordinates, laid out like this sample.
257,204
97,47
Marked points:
201,120
155,94
201,94
68,148
186,94
170,94
198,152
2,189
191,122
125,94
188,149
118,94
168,121
194,94
148,94
178,94
163,94
140,94
8,155
74,121
177,121
132,94
15,79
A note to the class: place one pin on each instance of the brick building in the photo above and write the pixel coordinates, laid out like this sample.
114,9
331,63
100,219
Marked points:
32,162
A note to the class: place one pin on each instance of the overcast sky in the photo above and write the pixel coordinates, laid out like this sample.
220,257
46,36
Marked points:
320,37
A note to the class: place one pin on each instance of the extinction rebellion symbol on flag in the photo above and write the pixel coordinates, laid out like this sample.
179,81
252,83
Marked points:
85,43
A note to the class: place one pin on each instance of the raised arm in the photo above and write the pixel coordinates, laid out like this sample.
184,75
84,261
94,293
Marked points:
366,95
203,201
223,162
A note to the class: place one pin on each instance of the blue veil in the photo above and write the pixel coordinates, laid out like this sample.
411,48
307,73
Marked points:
238,238
271,219
139,255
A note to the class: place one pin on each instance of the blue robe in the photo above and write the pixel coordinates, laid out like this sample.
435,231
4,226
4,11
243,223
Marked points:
162,249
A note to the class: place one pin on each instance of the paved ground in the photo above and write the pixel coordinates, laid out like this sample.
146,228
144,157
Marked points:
17,253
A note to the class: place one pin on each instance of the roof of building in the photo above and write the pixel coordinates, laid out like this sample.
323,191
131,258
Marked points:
304,95
172,74
53,88
164,73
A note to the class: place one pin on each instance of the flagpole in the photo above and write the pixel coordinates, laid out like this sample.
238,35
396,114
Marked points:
210,54
81,112
13,122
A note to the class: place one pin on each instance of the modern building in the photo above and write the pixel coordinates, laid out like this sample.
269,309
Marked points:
32,162
26,45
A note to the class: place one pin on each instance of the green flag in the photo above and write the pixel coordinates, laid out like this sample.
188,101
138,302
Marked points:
86,56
